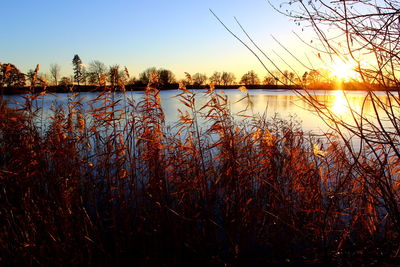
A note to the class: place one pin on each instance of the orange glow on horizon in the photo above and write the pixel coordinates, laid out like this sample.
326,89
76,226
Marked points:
345,71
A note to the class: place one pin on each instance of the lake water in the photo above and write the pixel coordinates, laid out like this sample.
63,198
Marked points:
284,103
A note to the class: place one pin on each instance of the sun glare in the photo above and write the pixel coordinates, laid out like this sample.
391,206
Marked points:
343,70
339,102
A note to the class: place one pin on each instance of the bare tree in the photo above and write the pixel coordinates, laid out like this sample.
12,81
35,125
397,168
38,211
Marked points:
370,29
291,77
65,81
360,30
313,78
250,78
216,78
227,78
85,76
304,78
145,76
113,75
166,77
366,34
55,72
97,72
199,79
269,80
285,77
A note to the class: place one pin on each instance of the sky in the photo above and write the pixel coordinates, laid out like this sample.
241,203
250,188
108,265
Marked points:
182,36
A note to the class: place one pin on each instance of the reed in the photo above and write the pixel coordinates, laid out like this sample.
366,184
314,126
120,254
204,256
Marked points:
113,185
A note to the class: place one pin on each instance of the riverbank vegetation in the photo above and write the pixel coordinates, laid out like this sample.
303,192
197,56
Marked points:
112,184
98,76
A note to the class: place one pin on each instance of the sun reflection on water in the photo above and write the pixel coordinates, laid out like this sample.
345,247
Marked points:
340,105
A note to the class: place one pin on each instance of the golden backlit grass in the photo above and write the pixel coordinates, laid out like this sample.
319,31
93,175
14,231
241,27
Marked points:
113,185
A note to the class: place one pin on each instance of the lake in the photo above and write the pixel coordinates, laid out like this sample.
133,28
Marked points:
284,103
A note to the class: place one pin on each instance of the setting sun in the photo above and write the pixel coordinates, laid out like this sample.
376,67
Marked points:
343,70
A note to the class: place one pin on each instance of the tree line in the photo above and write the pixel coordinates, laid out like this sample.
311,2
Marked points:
96,73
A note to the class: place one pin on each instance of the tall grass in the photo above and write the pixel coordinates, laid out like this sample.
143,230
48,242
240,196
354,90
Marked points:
113,185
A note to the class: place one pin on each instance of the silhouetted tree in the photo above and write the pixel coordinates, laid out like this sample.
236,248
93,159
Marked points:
131,81
199,79
285,77
250,78
216,78
351,32
85,76
227,78
304,77
77,66
291,77
165,77
115,75
97,72
145,76
55,72
269,80
65,81
313,78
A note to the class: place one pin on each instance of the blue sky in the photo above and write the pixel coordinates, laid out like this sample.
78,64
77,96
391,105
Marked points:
177,35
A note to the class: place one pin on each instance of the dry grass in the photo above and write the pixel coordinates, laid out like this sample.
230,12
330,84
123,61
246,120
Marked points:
112,185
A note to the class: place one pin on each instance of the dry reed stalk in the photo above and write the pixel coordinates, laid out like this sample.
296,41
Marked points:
114,185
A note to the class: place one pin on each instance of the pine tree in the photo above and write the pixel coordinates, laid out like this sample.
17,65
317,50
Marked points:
77,63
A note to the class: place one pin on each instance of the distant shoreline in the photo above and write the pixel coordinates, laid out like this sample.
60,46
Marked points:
93,88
